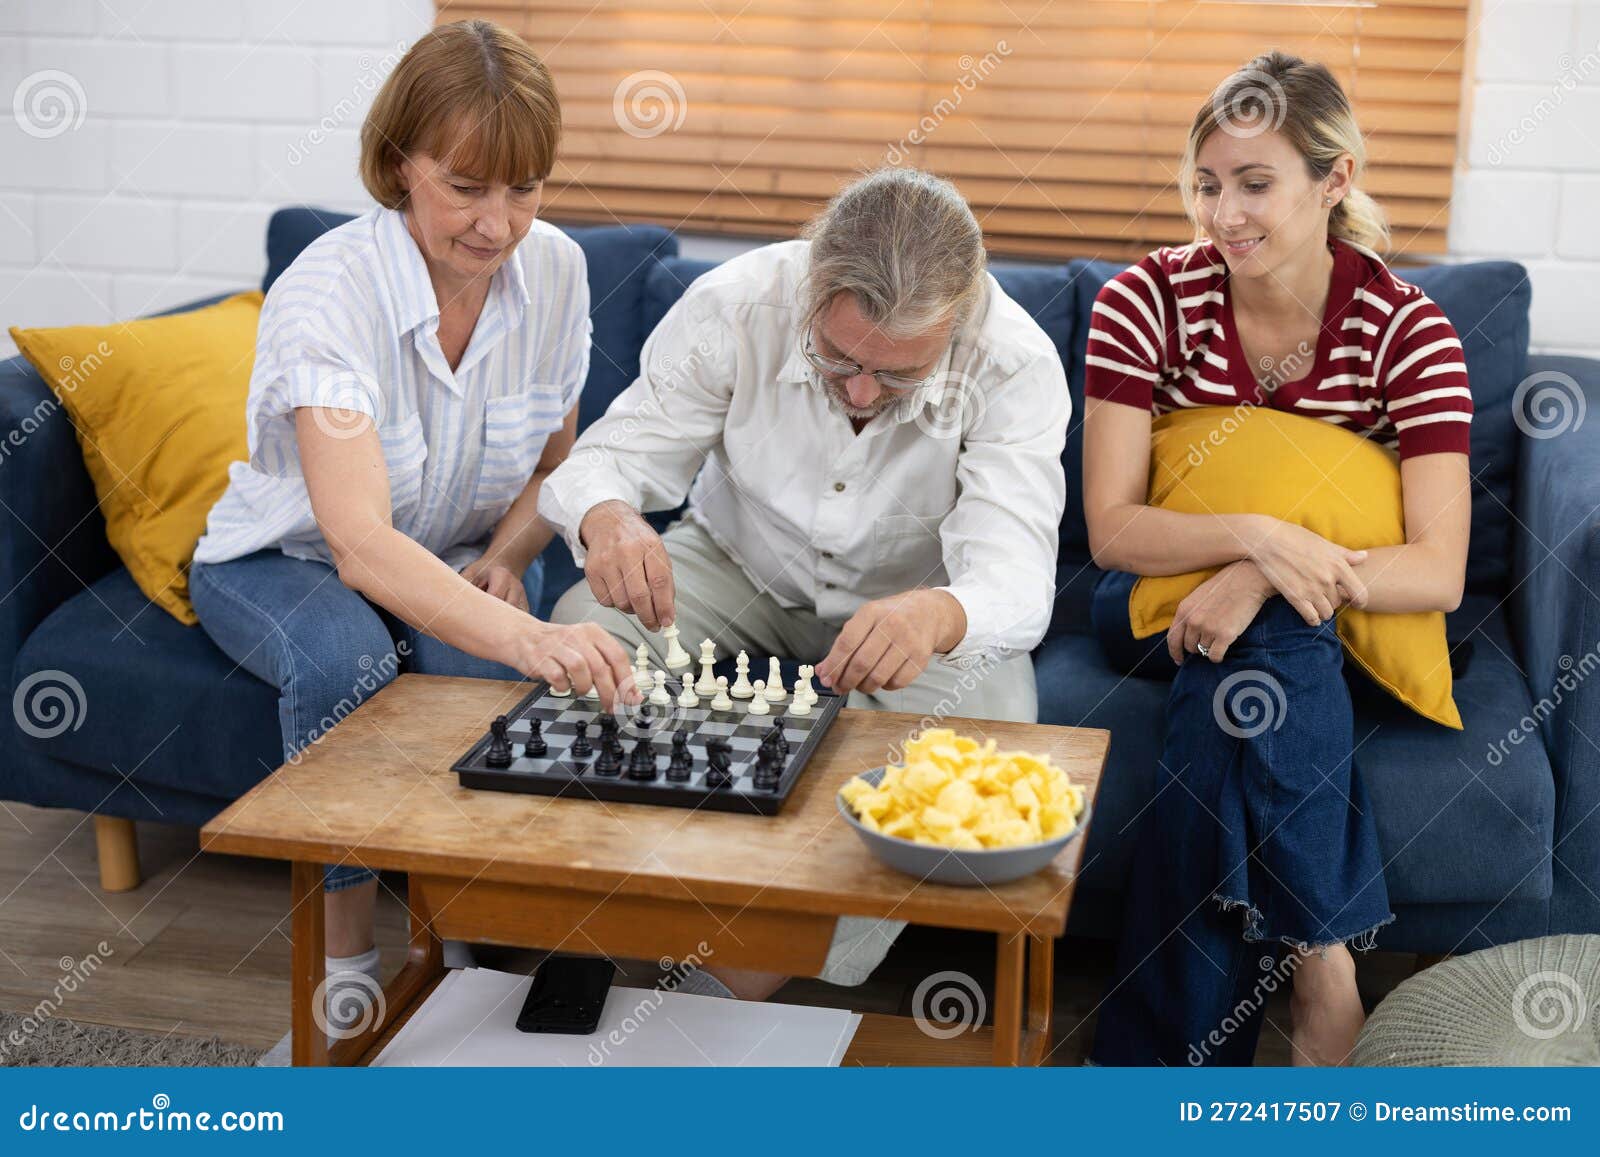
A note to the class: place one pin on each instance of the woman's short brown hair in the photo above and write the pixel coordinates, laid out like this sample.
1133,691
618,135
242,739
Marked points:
472,94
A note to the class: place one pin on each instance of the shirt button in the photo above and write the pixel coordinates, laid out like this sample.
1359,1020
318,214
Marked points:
829,586
838,486
827,554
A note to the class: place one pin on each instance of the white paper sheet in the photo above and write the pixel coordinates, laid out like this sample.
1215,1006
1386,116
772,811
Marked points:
469,1020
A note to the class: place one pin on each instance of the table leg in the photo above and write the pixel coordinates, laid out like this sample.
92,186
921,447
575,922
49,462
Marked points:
1024,997
309,1045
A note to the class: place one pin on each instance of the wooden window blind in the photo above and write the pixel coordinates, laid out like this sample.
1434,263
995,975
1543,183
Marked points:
1062,122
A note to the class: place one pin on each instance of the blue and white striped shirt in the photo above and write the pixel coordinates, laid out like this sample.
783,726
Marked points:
353,324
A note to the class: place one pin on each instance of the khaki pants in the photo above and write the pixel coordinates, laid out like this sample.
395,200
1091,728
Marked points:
716,600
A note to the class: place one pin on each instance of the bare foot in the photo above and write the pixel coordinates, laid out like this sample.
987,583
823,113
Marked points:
1325,1008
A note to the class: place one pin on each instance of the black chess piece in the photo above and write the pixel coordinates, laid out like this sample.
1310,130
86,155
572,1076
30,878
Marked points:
779,741
609,742
581,747
536,747
719,758
499,753
609,763
769,770
642,763
681,765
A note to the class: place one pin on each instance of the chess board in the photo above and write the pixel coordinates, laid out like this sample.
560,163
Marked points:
557,772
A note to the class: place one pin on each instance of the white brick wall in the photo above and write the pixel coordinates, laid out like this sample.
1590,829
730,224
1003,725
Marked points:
197,122
199,117
1529,185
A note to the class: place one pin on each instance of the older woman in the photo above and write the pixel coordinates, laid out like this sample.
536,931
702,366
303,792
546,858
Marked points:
416,379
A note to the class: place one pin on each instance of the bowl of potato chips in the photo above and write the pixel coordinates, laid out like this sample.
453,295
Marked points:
958,811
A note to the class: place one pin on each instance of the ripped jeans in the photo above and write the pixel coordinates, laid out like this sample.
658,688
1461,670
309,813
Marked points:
1259,839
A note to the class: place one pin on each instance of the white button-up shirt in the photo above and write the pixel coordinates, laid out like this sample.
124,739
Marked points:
962,491
354,324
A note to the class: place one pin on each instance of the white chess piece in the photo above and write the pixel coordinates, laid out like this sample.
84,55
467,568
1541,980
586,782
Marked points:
708,658
641,666
567,694
741,688
659,695
803,686
774,683
801,705
758,698
687,697
722,702
676,656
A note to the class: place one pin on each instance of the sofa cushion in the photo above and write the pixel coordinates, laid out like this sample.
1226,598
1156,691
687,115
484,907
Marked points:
160,703
1455,828
1487,303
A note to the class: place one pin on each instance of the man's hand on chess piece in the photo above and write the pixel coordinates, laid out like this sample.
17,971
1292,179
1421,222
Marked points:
583,657
887,643
627,565
499,580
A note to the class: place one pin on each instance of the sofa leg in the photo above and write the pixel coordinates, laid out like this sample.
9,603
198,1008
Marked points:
117,842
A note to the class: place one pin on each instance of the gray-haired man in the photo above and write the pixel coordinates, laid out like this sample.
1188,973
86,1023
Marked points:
873,433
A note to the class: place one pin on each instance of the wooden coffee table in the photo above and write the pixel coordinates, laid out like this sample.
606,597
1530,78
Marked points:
632,880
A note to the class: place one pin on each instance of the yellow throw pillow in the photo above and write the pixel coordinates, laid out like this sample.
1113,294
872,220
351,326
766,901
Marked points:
1218,460
159,409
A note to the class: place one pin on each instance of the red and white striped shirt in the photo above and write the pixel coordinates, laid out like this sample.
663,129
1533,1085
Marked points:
1388,363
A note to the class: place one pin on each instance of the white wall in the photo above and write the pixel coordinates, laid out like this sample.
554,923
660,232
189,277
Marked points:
202,116
199,117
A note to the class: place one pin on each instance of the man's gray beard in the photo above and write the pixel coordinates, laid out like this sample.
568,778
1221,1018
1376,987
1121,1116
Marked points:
840,401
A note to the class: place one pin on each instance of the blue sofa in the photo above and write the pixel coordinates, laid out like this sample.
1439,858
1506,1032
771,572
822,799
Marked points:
1485,839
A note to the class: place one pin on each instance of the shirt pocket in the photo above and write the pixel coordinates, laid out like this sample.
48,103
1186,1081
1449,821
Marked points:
515,429
906,542
404,453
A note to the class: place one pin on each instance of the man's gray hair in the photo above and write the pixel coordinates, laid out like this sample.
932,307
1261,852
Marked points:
907,246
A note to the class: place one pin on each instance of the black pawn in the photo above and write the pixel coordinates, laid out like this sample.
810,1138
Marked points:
769,770
642,763
581,747
609,763
499,753
780,743
681,764
536,747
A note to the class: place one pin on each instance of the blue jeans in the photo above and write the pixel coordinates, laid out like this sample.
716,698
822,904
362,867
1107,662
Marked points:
1259,838
292,623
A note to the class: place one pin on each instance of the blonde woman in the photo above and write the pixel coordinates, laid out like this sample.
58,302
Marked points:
1259,851
416,379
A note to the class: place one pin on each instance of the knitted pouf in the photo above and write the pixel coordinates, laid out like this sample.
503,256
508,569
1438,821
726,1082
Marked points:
1536,1002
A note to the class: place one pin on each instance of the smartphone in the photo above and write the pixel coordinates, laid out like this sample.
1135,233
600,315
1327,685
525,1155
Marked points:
567,995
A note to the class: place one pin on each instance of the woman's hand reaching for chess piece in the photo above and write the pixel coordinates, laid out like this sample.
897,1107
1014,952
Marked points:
581,657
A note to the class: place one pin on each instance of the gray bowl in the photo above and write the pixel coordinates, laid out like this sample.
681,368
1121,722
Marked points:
953,866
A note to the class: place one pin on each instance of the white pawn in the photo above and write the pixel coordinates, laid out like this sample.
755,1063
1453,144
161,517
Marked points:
758,700
774,683
801,705
721,702
741,688
708,658
676,656
687,697
659,695
567,694
803,687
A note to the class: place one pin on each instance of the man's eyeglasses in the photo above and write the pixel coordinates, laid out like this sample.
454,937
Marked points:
838,368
